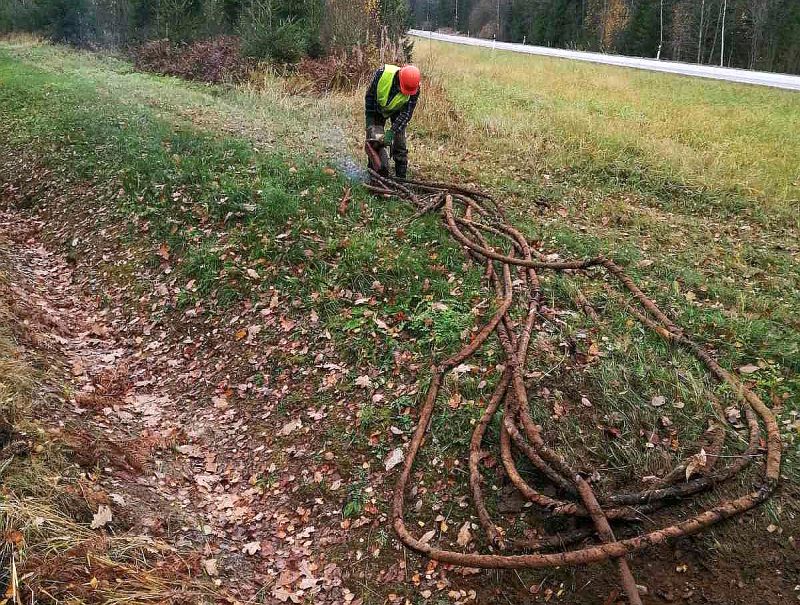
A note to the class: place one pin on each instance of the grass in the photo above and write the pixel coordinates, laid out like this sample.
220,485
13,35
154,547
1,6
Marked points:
670,176
652,130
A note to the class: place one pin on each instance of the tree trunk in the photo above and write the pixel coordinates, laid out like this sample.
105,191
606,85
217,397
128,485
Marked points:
701,35
722,39
661,30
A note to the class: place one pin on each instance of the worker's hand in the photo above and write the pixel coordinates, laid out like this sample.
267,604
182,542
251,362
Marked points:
388,137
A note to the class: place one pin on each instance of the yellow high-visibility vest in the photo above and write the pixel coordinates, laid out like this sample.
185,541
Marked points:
396,103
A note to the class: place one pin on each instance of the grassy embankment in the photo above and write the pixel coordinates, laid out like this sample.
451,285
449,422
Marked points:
694,184
227,211
689,183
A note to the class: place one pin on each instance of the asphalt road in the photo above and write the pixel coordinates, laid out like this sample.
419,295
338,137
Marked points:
744,76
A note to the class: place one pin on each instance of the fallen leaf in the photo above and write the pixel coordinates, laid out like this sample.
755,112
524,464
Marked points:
163,251
251,548
102,517
284,595
733,415
290,427
365,382
344,201
210,567
394,458
464,535
748,369
193,451
206,481
307,583
427,536
696,462
658,401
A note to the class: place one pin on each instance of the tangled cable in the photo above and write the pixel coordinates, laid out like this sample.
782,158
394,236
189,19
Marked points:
479,224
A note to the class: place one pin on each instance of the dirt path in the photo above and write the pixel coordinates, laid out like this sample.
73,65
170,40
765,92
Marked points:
179,464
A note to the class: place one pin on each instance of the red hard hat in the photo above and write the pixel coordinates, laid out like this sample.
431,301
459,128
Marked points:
409,80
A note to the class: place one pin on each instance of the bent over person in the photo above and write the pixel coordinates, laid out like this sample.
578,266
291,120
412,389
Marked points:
392,95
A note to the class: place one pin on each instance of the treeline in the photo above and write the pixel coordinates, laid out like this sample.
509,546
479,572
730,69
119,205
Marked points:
754,34
284,30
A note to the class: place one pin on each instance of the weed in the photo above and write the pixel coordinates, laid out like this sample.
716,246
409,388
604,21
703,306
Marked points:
356,497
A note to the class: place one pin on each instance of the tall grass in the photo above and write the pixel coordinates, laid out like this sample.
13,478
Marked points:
561,113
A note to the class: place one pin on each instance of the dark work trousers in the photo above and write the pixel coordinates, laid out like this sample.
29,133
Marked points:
377,123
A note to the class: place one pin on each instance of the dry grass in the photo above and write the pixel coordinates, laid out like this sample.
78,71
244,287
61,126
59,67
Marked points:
559,112
22,39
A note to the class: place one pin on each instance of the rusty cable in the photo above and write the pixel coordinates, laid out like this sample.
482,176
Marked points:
457,205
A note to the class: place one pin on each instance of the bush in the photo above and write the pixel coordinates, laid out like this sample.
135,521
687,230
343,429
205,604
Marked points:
286,42
349,68
339,71
217,60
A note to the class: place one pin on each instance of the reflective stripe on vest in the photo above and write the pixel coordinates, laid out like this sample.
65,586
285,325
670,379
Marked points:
397,102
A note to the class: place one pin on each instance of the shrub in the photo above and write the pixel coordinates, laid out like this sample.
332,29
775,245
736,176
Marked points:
286,42
339,71
349,68
217,60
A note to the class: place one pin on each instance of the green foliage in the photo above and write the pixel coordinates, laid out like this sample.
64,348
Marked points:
282,31
396,16
286,42
62,20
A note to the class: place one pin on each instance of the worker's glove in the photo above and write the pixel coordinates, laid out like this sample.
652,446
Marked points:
374,135
388,137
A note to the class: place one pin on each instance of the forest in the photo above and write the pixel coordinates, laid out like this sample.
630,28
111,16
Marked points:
280,30
751,34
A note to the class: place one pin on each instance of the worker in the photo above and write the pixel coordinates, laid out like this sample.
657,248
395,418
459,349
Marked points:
392,95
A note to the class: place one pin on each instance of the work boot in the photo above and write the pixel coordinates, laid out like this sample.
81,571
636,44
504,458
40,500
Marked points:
400,170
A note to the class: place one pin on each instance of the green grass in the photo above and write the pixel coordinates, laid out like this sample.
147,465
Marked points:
693,185
220,206
688,183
